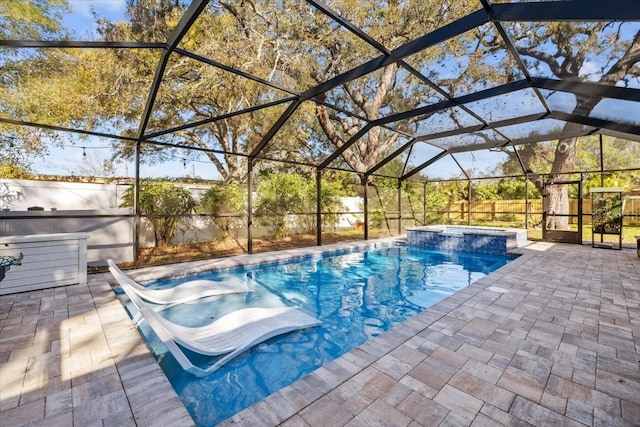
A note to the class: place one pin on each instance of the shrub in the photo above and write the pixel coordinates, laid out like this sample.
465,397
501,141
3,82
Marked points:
228,204
163,203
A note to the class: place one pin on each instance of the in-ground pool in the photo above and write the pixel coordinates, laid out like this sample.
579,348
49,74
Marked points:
357,295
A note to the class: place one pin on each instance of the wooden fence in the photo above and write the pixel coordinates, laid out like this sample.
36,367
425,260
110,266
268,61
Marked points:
512,210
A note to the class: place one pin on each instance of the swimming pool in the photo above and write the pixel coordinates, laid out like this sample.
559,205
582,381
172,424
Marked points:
357,295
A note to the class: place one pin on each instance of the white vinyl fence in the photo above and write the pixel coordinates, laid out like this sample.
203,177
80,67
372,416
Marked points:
30,207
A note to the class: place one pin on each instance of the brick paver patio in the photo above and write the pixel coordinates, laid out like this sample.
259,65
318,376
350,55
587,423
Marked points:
553,338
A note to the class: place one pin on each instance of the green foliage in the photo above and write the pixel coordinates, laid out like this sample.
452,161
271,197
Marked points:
162,203
31,20
285,200
228,204
484,191
12,171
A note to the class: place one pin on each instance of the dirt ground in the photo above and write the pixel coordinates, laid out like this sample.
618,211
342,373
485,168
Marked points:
229,247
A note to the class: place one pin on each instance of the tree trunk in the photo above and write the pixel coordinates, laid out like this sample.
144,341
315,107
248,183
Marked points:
558,195
563,165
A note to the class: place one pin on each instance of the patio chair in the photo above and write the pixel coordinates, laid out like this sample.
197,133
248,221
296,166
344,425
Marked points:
184,292
228,336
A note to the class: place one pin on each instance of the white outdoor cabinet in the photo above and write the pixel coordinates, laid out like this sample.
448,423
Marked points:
41,261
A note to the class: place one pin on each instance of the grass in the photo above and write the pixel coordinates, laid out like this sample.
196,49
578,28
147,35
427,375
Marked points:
628,234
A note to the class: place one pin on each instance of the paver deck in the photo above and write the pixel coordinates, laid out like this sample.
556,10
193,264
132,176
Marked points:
553,338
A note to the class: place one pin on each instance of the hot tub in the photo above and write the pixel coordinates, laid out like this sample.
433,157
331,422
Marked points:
488,240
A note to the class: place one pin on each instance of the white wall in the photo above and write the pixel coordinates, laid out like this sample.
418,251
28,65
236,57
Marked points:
93,208
18,195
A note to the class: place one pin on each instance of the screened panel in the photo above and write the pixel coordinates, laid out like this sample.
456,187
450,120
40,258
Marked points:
484,163
284,206
384,215
89,20
238,134
443,169
436,122
594,48
473,61
498,203
588,154
404,162
342,207
542,130
412,204
261,40
620,135
88,90
417,155
537,157
192,91
382,93
406,22
60,154
373,146
303,138
470,141
620,153
614,110
507,106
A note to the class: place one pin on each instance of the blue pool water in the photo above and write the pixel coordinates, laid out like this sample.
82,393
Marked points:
357,295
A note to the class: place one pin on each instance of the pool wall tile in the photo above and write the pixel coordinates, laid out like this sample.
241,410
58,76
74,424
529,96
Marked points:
466,242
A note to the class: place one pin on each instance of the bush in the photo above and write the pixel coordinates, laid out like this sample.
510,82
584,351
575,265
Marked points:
162,203
286,201
228,204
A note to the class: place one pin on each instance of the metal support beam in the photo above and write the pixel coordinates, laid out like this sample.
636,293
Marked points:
601,162
189,17
319,207
366,206
453,29
275,128
598,123
526,201
582,11
587,89
220,117
469,198
79,44
399,207
64,129
250,206
346,145
136,208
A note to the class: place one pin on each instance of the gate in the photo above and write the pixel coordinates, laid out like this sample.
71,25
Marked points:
561,222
